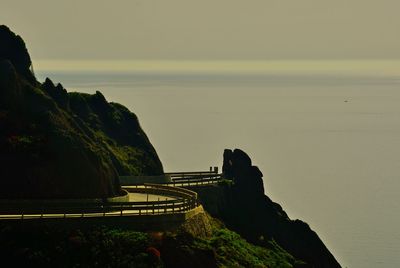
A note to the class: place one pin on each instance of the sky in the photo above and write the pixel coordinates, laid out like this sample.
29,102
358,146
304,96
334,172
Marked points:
206,29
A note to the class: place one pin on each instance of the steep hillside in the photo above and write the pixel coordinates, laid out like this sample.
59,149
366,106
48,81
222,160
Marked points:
55,144
244,208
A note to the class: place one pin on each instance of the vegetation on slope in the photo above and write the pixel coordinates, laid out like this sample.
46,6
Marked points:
55,144
222,248
233,251
48,246
118,130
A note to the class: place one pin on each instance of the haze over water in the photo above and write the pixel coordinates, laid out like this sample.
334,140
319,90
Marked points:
326,134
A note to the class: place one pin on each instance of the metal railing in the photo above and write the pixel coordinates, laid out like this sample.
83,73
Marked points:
184,200
186,179
183,180
177,200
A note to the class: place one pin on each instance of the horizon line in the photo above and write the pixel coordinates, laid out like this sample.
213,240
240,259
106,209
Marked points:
381,67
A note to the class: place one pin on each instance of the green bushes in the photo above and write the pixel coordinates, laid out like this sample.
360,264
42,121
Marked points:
51,247
231,250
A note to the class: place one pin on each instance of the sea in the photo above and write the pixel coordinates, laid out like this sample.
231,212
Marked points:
325,134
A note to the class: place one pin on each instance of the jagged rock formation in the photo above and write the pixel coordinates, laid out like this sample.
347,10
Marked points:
12,47
55,144
244,208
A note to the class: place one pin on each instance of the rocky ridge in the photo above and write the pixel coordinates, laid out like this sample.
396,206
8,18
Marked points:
56,144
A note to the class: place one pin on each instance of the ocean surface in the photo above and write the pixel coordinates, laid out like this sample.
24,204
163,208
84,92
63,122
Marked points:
325,135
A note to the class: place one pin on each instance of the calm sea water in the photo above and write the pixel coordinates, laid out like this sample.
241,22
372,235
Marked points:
328,145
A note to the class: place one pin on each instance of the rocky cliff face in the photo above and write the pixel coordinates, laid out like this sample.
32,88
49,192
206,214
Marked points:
13,48
55,144
244,208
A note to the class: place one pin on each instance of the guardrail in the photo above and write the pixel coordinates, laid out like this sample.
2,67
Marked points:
191,173
195,178
213,170
165,190
185,200
185,180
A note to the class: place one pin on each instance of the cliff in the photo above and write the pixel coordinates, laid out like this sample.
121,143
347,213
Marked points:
244,208
55,144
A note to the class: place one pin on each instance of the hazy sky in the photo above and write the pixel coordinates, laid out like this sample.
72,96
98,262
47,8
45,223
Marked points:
206,29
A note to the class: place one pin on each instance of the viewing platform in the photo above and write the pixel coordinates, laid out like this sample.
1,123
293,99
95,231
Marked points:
145,205
181,179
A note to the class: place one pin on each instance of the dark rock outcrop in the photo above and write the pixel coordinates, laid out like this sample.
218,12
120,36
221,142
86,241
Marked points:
55,144
246,177
13,48
57,93
244,208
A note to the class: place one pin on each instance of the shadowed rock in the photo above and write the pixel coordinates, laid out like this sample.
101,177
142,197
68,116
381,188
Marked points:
247,178
13,48
58,93
244,208
55,144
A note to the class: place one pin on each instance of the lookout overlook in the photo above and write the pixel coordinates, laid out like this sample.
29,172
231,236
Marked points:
167,205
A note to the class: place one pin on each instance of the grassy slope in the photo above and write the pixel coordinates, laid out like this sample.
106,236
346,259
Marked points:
118,131
46,246
233,251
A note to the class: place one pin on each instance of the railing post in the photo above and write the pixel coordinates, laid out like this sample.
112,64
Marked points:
121,210
153,208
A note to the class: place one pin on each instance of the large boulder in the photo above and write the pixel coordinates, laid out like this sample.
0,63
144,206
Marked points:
247,178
